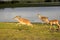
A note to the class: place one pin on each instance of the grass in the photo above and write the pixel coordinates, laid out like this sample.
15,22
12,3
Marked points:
9,31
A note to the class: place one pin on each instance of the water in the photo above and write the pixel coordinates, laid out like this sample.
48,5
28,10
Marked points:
30,13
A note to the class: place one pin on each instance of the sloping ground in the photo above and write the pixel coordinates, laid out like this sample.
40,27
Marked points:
9,31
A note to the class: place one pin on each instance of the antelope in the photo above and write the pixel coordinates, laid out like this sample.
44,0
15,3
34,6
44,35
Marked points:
23,21
43,18
51,22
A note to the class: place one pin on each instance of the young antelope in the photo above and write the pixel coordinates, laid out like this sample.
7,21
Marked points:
23,21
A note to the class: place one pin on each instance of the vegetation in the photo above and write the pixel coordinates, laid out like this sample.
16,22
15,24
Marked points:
9,31
14,4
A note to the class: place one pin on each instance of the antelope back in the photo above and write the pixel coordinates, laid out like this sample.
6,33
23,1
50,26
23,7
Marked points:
54,21
24,20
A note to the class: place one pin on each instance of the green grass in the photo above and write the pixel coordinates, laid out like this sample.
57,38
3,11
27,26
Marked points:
9,31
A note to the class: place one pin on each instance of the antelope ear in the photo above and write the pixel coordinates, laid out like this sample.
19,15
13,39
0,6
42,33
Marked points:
16,16
39,14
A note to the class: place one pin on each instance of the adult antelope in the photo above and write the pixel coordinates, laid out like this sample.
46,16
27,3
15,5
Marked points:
43,18
51,22
23,21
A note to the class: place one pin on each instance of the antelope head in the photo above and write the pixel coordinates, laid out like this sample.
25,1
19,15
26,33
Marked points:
17,17
39,15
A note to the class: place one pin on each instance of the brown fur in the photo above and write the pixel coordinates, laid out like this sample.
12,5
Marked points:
56,22
51,22
23,21
43,18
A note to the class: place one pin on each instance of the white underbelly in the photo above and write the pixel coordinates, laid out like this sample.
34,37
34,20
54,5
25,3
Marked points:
22,23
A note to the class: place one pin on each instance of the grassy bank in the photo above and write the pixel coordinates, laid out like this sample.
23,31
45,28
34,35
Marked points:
9,31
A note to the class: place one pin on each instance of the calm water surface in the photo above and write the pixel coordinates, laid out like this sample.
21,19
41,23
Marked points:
30,13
